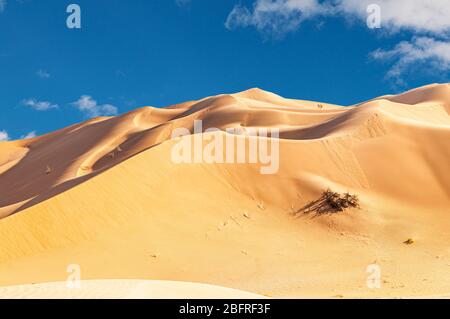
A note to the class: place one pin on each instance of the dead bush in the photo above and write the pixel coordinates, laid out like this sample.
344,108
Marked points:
331,202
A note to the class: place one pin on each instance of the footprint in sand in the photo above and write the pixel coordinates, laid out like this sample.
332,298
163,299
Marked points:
235,220
261,206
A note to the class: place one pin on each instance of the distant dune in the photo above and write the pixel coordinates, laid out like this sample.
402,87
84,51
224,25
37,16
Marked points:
104,194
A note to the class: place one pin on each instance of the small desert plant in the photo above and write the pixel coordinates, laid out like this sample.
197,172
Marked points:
331,202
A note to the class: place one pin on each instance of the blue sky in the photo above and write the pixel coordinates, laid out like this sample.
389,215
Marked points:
137,53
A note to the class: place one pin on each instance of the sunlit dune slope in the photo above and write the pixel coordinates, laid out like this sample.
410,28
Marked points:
124,289
105,194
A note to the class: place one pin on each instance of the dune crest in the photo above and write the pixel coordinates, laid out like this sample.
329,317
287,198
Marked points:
105,192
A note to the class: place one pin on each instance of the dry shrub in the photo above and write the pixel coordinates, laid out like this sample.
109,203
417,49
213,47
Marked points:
331,202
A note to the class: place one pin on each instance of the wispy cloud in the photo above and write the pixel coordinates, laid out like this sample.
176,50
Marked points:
426,21
2,5
276,17
39,105
4,136
418,16
120,73
183,3
419,52
91,108
42,74
29,135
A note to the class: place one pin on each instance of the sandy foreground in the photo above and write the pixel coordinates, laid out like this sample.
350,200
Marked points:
105,195
124,289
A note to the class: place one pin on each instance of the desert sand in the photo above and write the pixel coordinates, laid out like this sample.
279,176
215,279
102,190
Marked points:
105,195
124,289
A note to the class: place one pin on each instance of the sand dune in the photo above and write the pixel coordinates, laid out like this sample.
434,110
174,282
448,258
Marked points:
105,194
124,289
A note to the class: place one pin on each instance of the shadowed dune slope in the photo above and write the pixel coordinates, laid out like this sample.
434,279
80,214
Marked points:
106,195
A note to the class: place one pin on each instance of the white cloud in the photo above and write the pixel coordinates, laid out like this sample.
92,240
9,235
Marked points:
91,108
43,74
276,17
29,135
420,51
39,105
2,5
4,136
429,16
183,3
